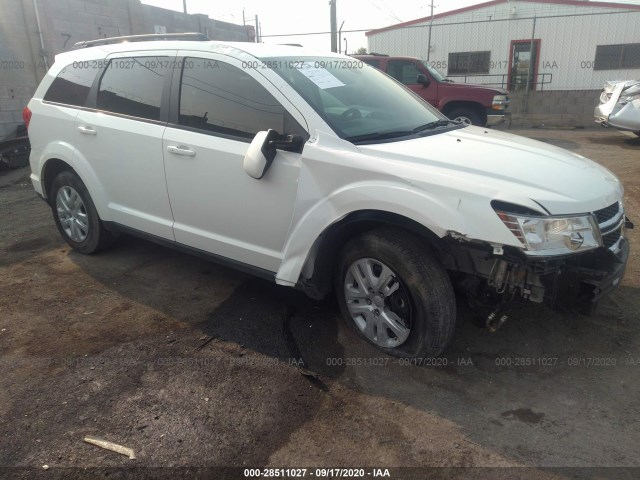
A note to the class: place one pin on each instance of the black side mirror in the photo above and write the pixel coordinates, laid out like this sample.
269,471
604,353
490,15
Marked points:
423,80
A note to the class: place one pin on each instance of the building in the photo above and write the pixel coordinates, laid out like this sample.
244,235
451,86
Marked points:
32,32
565,48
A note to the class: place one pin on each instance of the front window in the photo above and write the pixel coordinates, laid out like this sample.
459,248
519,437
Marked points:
435,73
360,103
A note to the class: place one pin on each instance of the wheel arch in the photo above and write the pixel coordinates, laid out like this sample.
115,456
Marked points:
318,269
474,106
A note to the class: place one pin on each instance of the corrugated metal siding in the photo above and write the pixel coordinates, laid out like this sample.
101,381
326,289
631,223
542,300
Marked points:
569,36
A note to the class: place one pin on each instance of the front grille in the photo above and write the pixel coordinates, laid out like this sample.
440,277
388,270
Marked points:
610,239
610,223
607,213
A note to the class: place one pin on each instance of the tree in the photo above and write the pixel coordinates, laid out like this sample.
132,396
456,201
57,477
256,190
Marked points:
360,51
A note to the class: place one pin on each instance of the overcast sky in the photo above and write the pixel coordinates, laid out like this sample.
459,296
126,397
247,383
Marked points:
302,16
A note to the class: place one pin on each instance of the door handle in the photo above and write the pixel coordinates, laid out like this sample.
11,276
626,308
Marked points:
87,130
181,150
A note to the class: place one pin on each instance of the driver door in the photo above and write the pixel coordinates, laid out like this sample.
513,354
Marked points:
406,72
217,108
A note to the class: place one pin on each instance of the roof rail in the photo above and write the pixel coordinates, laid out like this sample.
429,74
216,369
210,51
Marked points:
197,37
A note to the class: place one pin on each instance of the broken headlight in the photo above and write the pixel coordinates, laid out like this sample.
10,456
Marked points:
553,235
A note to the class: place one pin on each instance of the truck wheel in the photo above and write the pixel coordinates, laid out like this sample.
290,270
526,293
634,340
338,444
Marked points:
76,216
395,294
465,115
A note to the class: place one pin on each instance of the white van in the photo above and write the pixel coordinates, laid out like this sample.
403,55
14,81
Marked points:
319,172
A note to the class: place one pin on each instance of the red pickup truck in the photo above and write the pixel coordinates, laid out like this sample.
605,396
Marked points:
473,104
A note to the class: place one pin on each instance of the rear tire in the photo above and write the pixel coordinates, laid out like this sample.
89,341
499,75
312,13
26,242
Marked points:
76,216
395,294
467,116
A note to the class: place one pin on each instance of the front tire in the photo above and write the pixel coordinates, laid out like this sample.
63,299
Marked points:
466,116
395,294
76,216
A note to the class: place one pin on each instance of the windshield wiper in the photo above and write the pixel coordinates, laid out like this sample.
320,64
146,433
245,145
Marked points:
379,135
436,124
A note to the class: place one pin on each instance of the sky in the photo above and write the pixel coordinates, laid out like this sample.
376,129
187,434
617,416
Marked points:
279,17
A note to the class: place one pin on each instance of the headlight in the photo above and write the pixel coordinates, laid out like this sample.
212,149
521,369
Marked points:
553,235
500,102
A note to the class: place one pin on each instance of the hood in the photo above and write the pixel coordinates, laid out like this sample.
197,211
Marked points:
454,84
502,166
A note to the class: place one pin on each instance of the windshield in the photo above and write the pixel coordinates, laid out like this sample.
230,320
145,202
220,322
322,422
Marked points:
435,73
359,102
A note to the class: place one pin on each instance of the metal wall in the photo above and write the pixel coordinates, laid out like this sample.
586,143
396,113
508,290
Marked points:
23,61
568,37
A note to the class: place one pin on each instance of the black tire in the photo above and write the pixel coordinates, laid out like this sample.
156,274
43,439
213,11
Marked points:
96,238
474,118
422,279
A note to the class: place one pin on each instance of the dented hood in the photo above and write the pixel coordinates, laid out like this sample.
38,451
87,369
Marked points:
504,166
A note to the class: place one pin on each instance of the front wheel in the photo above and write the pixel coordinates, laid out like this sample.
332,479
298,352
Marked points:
395,294
466,116
76,216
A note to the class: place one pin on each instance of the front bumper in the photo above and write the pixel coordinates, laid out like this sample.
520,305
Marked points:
584,280
495,118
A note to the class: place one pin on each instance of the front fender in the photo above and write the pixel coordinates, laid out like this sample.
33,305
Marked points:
401,200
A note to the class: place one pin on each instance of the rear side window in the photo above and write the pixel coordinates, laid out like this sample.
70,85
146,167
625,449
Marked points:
373,63
133,86
72,84
219,97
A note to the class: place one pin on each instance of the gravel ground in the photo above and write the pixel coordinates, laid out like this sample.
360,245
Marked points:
195,366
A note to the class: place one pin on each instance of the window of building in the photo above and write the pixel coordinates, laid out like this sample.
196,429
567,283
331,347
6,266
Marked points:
133,86
405,71
466,63
72,84
219,97
617,57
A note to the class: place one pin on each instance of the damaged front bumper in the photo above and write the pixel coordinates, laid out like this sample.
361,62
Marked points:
619,106
568,282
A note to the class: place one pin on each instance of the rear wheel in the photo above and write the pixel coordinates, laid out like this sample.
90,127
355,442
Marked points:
76,216
395,294
466,116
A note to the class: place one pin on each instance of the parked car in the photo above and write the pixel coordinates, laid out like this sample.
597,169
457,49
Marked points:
471,104
620,106
321,173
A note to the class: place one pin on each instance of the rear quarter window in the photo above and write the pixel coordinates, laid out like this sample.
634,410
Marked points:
72,84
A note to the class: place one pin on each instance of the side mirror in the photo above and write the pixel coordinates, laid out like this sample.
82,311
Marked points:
262,151
423,80
260,154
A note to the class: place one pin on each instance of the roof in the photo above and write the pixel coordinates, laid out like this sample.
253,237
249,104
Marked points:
241,50
579,3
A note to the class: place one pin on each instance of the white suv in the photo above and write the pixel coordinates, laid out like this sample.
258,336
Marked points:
319,172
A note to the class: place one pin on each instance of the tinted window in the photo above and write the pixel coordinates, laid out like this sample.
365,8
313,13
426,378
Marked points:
221,98
463,63
404,71
616,57
373,63
133,86
72,84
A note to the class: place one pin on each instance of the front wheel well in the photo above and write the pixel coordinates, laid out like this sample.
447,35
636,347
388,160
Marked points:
51,170
316,278
475,107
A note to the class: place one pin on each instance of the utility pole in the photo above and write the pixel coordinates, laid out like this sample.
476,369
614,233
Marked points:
184,6
334,26
345,45
430,26
257,31
340,37
243,20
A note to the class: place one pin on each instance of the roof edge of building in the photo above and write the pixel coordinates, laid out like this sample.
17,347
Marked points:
580,3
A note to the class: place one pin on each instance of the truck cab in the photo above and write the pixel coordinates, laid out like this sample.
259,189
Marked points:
471,104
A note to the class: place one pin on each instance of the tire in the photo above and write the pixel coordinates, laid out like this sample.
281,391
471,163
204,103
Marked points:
467,116
76,216
422,301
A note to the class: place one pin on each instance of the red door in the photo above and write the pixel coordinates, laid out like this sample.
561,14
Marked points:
523,64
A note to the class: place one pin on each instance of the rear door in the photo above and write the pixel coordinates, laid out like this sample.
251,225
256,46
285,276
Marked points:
121,137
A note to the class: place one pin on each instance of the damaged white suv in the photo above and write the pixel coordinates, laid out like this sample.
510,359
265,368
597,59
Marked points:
321,173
